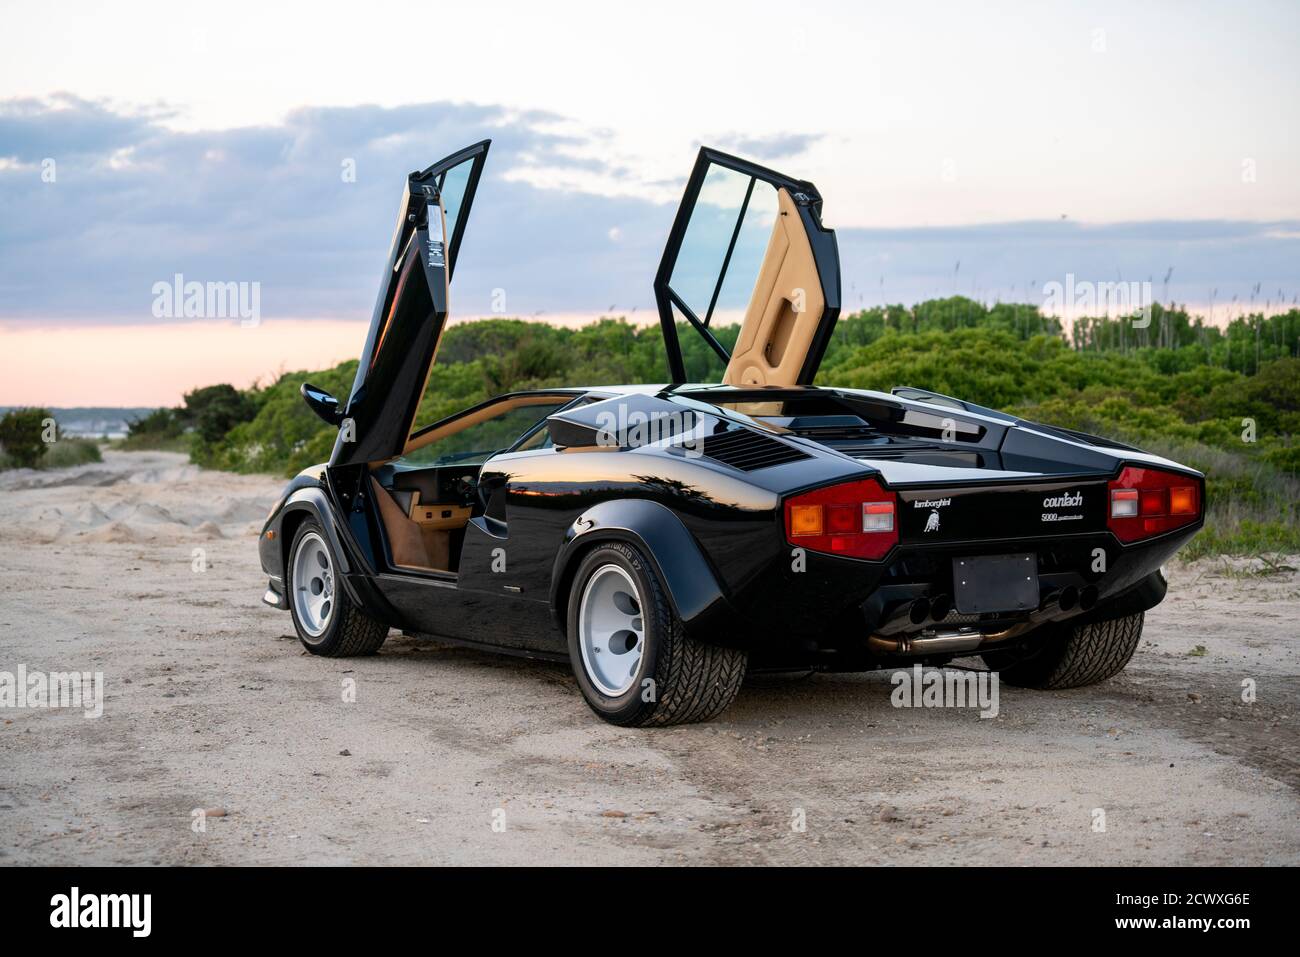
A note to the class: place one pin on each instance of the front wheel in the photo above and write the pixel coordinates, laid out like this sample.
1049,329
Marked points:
326,619
630,652
1071,656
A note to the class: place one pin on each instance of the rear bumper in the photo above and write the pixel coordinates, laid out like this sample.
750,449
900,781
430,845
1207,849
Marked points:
837,603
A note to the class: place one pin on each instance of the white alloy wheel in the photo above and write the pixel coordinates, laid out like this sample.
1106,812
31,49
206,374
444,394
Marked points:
313,585
611,630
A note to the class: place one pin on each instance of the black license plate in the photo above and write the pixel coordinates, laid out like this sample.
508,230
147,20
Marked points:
995,583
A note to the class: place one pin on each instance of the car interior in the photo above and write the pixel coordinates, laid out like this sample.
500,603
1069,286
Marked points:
428,496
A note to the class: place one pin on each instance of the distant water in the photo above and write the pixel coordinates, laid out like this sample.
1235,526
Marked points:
94,423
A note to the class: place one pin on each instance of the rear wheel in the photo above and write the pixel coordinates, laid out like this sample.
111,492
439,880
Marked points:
1071,656
326,619
634,662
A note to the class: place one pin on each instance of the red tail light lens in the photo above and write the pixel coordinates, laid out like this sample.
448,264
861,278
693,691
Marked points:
855,519
1146,502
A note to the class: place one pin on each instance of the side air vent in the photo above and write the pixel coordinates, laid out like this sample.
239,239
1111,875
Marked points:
748,451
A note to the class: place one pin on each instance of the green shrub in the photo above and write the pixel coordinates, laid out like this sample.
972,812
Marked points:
67,452
24,434
160,429
1285,458
216,409
284,436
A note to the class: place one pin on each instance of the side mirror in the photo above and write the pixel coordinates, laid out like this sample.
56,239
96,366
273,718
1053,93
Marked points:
322,403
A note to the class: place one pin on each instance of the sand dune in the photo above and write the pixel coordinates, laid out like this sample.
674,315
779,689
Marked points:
132,497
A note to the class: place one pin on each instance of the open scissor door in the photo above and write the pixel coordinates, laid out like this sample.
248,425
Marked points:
748,246
411,310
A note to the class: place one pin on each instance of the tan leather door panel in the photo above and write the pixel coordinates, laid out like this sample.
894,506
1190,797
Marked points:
784,311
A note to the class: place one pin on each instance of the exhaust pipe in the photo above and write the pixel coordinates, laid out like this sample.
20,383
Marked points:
940,607
905,616
955,640
887,641
1069,598
940,642
919,610
1053,605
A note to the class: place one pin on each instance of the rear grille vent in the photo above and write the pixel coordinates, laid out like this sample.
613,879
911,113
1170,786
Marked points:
889,450
843,433
748,451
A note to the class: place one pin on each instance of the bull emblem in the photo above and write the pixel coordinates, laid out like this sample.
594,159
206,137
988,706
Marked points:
932,523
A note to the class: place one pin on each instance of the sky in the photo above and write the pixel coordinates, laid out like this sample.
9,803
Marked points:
977,149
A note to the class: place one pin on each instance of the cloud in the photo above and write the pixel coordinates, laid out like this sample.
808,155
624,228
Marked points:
65,125
766,148
135,201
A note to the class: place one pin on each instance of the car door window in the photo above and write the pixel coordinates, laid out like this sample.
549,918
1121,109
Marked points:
722,250
748,250
452,187
488,429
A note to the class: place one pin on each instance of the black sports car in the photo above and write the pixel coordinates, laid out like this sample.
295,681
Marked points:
665,539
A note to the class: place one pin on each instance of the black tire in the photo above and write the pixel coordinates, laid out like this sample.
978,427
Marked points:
680,680
350,632
1071,656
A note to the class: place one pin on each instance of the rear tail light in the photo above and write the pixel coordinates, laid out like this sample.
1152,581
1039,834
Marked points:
877,516
1146,502
1182,500
1123,502
805,519
855,519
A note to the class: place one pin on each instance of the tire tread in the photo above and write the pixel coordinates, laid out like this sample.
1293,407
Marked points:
361,634
697,680
1078,656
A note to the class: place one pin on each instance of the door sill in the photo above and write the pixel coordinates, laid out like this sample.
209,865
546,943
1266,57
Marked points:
424,574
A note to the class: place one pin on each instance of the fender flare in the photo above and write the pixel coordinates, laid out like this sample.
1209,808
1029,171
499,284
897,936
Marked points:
358,574
314,501
693,588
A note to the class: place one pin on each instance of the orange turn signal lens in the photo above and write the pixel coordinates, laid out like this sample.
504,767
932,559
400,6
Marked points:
1182,501
805,520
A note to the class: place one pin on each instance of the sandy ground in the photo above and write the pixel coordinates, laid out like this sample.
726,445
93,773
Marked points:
453,756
